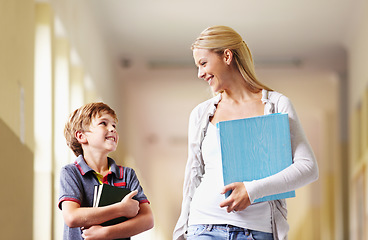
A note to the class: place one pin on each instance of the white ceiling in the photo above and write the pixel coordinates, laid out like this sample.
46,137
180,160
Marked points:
311,31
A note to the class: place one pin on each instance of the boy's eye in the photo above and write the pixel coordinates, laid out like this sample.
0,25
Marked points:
103,123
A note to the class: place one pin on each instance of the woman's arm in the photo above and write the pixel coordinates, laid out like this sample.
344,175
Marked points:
304,169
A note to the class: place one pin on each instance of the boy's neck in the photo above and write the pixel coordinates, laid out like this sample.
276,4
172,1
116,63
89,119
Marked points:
97,162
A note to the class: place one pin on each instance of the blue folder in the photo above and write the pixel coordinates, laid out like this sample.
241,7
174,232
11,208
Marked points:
255,148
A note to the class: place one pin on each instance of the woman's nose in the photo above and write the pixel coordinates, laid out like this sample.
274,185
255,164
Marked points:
201,73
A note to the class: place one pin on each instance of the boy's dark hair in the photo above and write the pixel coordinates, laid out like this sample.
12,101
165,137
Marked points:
80,120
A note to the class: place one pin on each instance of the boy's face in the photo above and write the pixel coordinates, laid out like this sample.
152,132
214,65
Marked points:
102,134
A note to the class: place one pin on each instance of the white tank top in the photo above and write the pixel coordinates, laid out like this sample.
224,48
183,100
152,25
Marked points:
205,205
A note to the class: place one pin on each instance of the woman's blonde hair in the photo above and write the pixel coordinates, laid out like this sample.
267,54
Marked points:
220,38
80,120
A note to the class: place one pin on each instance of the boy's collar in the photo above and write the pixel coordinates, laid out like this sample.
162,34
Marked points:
83,167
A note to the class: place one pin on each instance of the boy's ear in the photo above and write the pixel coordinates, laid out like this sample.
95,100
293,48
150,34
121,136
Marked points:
228,56
81,138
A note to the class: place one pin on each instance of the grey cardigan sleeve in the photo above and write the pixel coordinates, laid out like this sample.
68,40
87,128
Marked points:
194,170
193,173
304,169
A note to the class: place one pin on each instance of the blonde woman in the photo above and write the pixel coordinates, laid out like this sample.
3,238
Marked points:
225,62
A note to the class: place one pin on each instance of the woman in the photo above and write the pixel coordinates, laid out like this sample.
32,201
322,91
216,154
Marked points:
225,62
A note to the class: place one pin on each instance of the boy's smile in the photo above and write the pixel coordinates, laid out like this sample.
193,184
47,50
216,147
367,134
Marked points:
111,138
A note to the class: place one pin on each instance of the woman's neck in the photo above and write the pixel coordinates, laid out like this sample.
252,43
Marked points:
240,95
238,90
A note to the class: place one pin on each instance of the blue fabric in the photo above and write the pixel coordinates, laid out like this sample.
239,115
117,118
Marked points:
225,232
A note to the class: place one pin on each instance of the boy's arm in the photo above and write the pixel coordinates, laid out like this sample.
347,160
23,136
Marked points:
76,216
140,223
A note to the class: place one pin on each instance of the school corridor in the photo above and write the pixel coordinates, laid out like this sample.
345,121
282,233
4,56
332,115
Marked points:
56,55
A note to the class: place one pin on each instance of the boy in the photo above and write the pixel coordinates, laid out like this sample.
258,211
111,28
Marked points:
91,134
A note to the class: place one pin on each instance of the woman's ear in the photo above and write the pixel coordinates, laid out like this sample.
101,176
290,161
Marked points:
81,138
228,56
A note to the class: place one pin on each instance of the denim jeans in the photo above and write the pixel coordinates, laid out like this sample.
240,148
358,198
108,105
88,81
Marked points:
226,232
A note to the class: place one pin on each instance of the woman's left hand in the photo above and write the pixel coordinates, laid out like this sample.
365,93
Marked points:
238,199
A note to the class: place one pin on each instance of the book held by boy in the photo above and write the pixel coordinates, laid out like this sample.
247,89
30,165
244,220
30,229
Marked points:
255,148
105,195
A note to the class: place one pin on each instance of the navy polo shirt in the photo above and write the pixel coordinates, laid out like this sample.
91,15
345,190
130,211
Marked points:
77,181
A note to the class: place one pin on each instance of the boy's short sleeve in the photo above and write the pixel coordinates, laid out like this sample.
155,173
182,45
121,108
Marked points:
71,188
133,184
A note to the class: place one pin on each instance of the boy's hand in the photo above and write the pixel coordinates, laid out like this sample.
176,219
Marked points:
130,207
96,232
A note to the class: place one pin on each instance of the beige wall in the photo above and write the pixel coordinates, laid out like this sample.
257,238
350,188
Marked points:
358,48
358,117
16,117
16,61
16,202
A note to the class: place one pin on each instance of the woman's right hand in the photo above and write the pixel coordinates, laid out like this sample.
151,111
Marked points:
238,199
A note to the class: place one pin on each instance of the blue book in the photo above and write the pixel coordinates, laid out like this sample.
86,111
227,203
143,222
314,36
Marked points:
255,148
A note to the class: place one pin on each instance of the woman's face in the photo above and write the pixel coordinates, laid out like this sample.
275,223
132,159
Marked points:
212,67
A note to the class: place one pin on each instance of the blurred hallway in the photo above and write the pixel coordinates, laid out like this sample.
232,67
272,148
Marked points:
136,57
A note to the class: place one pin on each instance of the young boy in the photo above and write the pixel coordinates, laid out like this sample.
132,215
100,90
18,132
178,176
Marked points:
91,134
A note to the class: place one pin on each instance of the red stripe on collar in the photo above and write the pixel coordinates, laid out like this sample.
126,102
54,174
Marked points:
79,167
121,172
